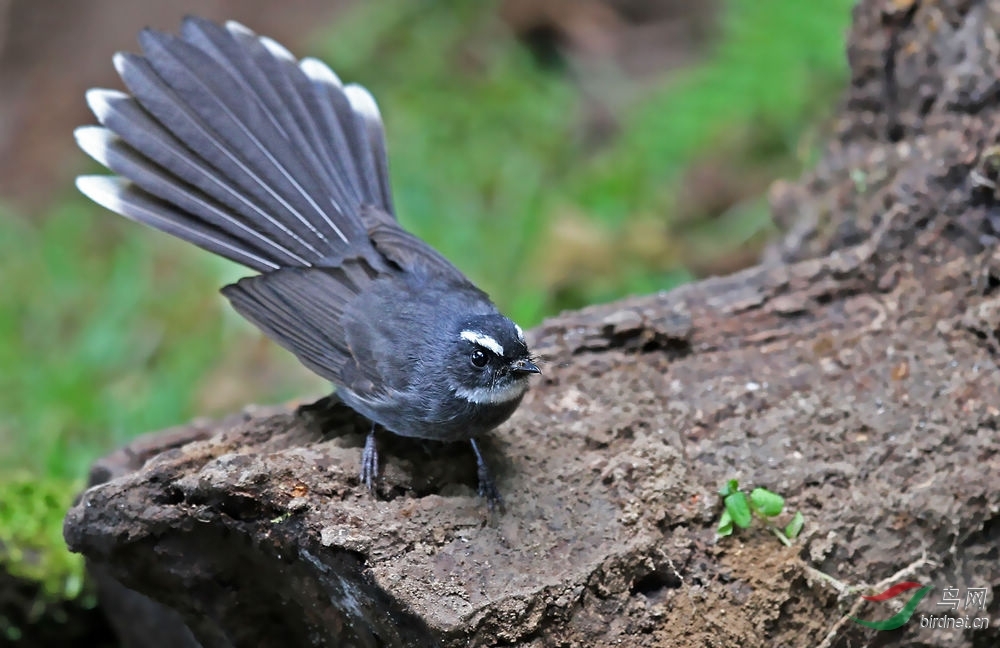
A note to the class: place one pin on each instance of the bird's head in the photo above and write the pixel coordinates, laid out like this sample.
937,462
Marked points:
491,363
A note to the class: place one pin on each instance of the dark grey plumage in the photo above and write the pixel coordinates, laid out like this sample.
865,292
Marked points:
227,141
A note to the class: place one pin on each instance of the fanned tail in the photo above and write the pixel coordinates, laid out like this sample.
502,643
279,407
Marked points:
228,142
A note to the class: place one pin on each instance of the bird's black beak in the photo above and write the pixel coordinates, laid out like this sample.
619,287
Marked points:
525,366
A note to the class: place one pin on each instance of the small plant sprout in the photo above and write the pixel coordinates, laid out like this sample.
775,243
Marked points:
739,509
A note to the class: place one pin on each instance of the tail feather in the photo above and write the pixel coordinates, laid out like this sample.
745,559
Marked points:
371,144
159,100
346,140
234,145
111,151
122,114
280,89
218,101
119,195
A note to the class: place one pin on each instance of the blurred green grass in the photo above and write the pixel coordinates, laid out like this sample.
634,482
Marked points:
108,330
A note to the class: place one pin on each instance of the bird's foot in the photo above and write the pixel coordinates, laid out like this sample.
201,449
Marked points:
487,487
369,462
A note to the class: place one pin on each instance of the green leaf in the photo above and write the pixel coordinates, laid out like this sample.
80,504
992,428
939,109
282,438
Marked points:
730,487
738,507
794,527
767,503
725,527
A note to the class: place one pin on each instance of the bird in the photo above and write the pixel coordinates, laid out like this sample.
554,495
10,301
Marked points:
226,140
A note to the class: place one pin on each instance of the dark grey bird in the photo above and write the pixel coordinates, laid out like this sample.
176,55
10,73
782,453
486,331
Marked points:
227,141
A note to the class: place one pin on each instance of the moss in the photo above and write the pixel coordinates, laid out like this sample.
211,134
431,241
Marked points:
31,542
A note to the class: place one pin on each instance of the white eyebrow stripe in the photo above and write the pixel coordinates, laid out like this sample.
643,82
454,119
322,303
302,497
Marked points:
483,340
520,332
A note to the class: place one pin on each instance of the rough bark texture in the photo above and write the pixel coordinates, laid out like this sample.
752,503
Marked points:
855,372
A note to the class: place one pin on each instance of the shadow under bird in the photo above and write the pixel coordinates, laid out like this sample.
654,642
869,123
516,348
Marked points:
227,141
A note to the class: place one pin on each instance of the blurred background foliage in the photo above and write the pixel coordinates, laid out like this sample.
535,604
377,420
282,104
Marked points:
561,153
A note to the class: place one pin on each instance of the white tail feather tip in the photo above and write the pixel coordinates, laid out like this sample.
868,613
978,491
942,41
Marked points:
320,72
103,190
276,49
94,140
362,102
99,100
120,60
238,29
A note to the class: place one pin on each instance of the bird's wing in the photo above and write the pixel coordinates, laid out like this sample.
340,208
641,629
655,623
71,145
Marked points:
410,253
302,309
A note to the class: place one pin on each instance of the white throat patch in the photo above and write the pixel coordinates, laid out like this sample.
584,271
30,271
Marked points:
493,395
484,341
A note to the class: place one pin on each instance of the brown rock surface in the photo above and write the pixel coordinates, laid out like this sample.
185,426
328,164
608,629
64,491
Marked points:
855,372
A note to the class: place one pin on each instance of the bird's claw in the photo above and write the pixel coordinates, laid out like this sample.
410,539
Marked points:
369,462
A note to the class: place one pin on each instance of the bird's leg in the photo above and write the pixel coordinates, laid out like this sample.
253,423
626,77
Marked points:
487,488
369,461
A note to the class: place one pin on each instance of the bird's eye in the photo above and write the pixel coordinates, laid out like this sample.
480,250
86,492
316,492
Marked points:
479,359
